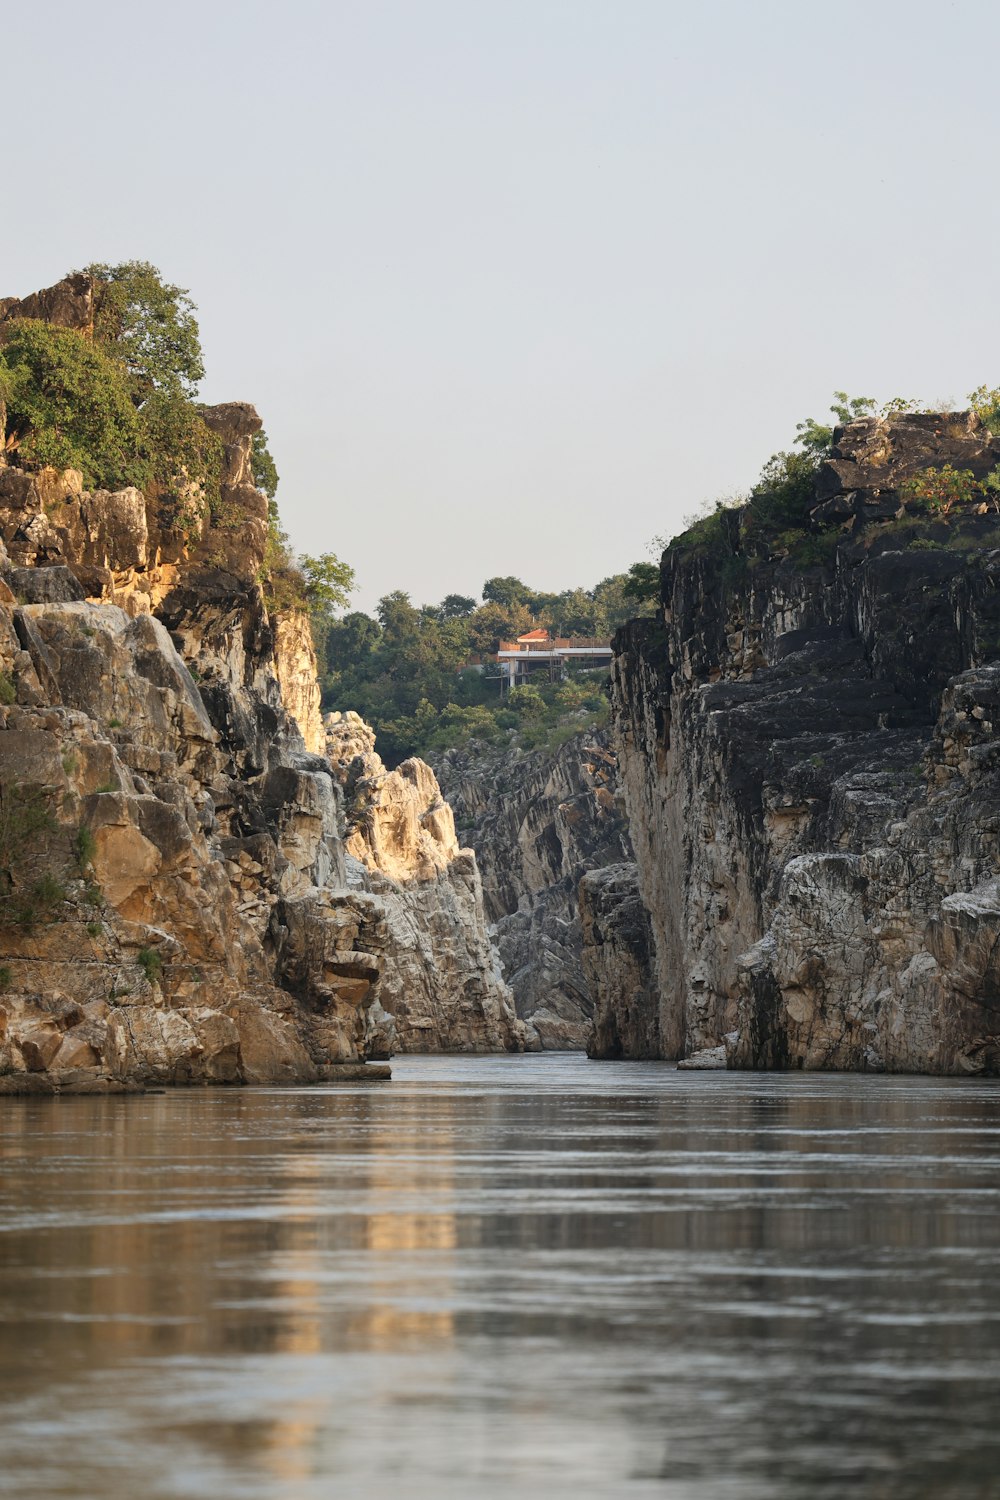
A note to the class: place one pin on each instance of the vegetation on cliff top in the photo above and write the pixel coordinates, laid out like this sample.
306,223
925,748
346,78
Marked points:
775,518
118,403
118,406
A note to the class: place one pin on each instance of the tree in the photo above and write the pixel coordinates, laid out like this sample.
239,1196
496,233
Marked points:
262,466
642,582
328,584
351,640
986,405
492,623
399,619
508,591
149,325
817,437
181,453
454,606
526,700
574,614
68,405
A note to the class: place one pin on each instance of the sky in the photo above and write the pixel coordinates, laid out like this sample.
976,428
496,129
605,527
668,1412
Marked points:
518,285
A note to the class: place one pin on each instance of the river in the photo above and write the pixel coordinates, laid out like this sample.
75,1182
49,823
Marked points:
505,1277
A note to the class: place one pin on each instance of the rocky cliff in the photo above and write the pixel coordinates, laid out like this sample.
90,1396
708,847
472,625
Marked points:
444,989
538,820
809,751
174,895
174,903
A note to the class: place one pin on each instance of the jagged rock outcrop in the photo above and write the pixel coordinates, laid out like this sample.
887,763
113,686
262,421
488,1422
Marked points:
810,764
68,304
162,953
173,896
444,990
538,820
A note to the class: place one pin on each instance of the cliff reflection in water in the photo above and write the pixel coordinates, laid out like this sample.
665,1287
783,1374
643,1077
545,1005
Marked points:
506,1276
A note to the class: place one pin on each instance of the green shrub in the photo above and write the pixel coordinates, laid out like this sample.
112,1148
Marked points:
925,544
986,405
991,487
526,701
939,490
783,495
84,846
26,817
94,929
817,437
734,570
8,692
47,892
814,549
706,534
182,457
150,963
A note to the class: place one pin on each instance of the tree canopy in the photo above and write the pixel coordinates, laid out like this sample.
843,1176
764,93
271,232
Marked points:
149,325
68,405
119,406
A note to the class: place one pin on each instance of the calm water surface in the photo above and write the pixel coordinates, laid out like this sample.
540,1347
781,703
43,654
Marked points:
505,1277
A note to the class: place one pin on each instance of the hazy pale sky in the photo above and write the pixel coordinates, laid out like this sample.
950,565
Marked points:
518,284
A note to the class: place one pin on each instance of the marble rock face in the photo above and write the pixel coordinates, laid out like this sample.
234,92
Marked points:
812,774
617,957
444,989
539,821
174,905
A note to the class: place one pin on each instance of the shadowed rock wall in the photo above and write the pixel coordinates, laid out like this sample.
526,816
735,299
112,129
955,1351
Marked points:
811,771
538,820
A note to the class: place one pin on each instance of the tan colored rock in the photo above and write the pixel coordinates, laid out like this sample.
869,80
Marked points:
123,861
68,304
74,1052
39,1049
295,664
443,989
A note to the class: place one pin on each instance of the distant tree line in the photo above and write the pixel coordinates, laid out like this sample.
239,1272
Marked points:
412,671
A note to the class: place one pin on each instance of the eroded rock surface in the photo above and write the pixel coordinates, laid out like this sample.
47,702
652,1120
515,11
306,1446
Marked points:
810,763
444,989
618,963
538,820
174,905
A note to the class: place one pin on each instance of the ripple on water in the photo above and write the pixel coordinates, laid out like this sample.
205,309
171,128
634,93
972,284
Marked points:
505,1277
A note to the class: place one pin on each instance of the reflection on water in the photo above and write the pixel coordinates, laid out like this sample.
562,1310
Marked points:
505,1277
